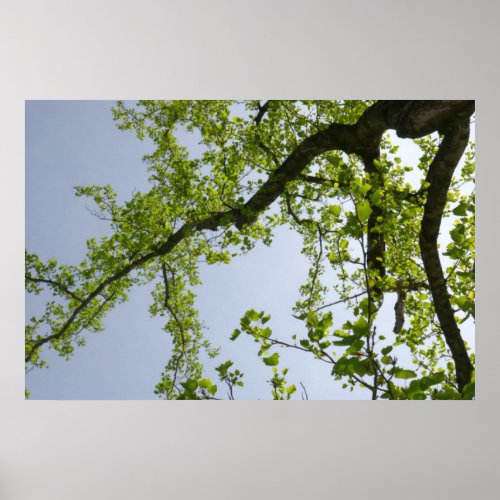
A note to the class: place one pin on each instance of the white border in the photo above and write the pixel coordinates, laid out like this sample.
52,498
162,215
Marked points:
93,49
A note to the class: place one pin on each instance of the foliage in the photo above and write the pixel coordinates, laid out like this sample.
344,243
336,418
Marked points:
360,212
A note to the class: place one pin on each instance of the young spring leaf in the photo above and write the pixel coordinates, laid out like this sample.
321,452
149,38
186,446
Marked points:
405,374
364,210
272,360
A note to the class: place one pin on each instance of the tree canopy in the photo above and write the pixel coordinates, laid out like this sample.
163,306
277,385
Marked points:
326,169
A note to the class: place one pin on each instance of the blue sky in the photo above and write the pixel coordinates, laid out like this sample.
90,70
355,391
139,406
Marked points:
71,143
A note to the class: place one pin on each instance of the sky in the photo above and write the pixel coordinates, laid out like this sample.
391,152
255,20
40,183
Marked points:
70,143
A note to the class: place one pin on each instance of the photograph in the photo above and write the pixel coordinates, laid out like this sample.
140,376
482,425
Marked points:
250,249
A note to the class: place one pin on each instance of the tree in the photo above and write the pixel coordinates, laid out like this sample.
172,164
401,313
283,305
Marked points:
328,170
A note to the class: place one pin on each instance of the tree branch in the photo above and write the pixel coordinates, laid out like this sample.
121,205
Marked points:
262,111
439,178
56,284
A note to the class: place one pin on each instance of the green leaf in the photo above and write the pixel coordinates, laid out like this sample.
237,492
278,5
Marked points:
359,367
335,161
235,334
460,210
435,378
361,327
377,197
365,187
272,360
252,315
190,385
340,333
340,367
326,322
346,341
224,367
356,346
335,209
447,394
418,396
416,386
350,366
364,210
266,332
405,374
205,383
457,234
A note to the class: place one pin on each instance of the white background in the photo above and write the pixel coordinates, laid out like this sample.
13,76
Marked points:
253,49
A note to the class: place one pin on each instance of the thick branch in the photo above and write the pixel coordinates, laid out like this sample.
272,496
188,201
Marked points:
439,178
262,111
375,237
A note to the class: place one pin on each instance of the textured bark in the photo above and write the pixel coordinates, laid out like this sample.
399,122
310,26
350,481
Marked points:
410,119
375,237
439,178
399,309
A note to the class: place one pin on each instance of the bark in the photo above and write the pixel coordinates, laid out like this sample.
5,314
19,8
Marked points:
375,237
439,177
